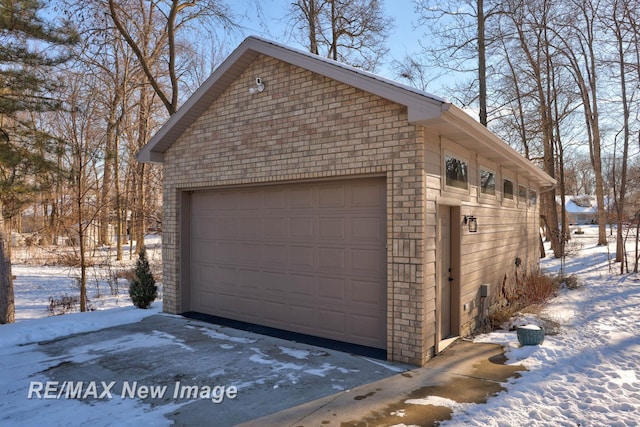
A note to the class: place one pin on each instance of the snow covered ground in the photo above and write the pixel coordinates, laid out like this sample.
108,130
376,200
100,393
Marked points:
36,284
587,375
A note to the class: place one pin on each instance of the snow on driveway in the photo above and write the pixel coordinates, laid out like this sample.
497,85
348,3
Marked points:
49,366
587,375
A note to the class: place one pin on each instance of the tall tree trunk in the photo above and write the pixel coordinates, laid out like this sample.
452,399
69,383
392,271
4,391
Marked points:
620,202
537,55
312,19
139,182
140,207
119,219
334,31
7,303
81,232
597,167
637,218
107,176
482,65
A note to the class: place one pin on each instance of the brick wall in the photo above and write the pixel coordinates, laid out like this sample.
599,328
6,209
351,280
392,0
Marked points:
305,127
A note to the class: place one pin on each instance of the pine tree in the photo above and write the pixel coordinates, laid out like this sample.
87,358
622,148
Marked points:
29,48
142,289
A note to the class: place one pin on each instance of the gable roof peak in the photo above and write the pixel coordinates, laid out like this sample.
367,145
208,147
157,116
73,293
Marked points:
421,105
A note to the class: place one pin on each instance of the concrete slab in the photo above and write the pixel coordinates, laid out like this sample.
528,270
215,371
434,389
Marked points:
187,355
464,373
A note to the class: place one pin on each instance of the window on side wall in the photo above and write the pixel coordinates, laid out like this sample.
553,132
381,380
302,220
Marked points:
533,197
522,194
487,182
457,172
507,189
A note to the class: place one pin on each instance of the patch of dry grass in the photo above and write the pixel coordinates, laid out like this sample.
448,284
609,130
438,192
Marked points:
527,293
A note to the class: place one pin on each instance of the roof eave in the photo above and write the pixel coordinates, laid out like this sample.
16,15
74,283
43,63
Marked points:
420,106
148,156
454,121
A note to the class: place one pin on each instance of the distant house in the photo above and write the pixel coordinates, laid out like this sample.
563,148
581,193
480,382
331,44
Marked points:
310,196
580,210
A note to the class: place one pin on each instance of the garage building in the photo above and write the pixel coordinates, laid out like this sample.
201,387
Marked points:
309,196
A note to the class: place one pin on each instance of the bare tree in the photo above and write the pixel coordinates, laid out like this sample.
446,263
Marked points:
622,24
527,24
456,40
306,13
137,20
349,31
577,41
81,130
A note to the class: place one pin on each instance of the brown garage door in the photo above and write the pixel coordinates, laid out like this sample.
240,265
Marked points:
307,258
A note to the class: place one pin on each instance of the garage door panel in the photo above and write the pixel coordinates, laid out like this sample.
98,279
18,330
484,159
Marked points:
205,247
301,197
250,306
301,229
251,200
224,227
332,288
276,255
209,250
332,321
332,259
302,258
365,326
332,229
250,228
275,229
302,316
226,276
302,285
272,282
367,262
367,293
249,280
368,228
274,198
308,258
272,311
248,253
208,299
332,196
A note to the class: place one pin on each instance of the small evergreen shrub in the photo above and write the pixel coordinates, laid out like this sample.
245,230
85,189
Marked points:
142,288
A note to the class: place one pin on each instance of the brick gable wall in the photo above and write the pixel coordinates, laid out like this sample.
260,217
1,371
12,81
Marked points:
307,127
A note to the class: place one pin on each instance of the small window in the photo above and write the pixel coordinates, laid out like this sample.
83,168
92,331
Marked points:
533,197
522,193
508,189
487,182
457,173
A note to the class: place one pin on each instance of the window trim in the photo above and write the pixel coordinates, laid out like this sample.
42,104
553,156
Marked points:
533,197
506,179
461,159
523,200
482,169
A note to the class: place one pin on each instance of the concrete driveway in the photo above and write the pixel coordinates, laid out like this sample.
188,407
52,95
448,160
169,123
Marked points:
208,374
